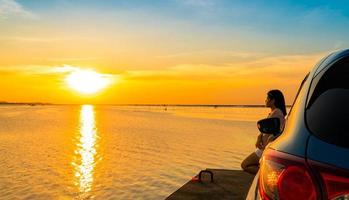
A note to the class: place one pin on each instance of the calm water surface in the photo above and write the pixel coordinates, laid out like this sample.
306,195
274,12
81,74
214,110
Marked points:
117,152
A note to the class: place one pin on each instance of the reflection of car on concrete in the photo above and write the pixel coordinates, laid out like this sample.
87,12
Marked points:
310,159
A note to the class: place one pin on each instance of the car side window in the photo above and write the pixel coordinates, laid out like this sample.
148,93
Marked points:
327,114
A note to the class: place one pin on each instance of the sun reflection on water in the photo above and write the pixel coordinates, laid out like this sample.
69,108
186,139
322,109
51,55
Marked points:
85,152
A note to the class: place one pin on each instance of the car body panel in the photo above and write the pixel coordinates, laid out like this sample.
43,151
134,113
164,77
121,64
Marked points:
326,153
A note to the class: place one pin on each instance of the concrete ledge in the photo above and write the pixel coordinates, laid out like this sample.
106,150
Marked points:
228,184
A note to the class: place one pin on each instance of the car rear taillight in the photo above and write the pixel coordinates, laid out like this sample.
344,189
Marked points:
335,180
284,176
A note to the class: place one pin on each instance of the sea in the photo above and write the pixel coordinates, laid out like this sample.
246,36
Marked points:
118,151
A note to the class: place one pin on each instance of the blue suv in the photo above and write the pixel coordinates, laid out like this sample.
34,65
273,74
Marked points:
310,159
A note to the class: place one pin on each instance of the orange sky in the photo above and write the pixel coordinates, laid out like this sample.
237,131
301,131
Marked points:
165,61
243,82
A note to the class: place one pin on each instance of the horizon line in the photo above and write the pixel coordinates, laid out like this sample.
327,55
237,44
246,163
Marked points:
164,105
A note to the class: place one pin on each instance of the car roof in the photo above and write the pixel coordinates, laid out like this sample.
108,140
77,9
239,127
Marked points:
329,60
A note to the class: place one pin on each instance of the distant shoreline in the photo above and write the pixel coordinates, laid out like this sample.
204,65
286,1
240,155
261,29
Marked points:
150,105
24,103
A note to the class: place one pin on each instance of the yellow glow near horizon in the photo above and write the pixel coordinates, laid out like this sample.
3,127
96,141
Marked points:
87,81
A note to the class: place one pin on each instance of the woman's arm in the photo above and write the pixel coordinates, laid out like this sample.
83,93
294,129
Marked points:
270,139
259,142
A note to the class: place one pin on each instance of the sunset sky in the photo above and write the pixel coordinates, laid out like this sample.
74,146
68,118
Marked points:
165,52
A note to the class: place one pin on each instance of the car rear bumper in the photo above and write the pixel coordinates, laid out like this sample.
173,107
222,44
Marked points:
253,193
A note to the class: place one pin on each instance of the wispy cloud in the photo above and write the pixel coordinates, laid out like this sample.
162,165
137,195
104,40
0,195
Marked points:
44,39
215,53
71,59
47,70
38,69
10,8
250,66
198,2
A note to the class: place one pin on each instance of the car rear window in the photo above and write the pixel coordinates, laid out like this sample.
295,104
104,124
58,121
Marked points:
327,113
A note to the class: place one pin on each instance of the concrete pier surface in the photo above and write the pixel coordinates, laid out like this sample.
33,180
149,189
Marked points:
227,184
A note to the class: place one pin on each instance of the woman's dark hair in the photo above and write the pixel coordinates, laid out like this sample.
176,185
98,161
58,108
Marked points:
279,100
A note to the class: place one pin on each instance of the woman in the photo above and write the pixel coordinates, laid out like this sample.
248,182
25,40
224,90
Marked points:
276,102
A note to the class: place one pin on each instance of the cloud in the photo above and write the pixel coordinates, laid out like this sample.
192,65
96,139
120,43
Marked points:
216,53
44,39
198,2
31,39
244,65
70,59
37,69
46,70
10,8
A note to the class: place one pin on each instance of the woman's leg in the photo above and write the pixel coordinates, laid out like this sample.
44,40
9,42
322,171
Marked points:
251,163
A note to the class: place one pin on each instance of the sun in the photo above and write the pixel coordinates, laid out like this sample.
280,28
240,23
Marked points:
87,81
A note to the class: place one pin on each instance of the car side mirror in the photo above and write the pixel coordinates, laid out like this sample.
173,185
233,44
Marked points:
269,126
